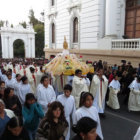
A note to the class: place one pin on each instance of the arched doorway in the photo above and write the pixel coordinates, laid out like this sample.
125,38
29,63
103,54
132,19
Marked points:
19,48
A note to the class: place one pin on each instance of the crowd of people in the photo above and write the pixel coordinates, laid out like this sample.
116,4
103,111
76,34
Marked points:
35,105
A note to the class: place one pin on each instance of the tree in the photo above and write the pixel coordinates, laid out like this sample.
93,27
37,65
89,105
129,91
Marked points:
19,51
24,24
1,23
12,25
33,19
39,40
39,29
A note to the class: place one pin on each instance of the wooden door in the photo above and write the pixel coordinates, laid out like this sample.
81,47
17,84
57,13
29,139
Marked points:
132,22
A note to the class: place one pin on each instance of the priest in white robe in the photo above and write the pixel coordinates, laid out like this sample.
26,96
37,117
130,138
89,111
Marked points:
45,93
32,78
114,88
68,102
78,85
134,97
98,89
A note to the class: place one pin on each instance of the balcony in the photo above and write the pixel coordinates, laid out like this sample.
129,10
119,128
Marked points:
125,44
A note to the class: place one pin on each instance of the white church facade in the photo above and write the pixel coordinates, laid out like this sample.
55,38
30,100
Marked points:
10,35
95,29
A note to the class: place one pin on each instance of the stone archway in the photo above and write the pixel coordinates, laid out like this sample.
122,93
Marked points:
19,49
10,35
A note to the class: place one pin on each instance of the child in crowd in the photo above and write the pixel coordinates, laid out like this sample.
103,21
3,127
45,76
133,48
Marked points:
68,102
85,129
32,112
114,88
88,110
24,88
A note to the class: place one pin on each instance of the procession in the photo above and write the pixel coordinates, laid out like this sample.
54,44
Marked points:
70,70
46,101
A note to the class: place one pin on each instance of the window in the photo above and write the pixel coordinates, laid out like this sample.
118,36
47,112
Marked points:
53,33
75,30
52,2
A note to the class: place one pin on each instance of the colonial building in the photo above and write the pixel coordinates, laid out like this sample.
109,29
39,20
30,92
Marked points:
97,29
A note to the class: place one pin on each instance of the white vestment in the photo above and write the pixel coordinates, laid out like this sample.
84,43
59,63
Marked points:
45,96
17,87
98,90
4,77
137,136
114,88
93,114
10,83
134,97
9,113
32,81
23,90
69,108
38,77
78,86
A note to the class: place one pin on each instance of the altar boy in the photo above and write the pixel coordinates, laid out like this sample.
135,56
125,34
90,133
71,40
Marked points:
68,102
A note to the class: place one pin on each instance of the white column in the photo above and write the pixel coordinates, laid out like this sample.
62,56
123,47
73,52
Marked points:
33,47
6,47
111,18
3,48
10,48
28,51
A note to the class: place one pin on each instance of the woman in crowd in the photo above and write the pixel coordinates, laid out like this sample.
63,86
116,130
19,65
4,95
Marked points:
15,130
88,110
32,112
12,102
5,115
85,129
54,125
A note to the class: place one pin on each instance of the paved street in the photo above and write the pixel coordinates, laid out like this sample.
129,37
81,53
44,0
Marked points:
121,124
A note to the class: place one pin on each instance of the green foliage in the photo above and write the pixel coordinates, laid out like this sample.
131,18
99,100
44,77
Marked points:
1,23
33,20
19,51
39,37
39,40
12,26
24,24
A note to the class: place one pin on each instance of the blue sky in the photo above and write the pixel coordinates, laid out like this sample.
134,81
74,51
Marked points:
16,11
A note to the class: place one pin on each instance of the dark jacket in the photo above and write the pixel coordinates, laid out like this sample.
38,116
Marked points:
52,131
10,102
77,137
7,135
